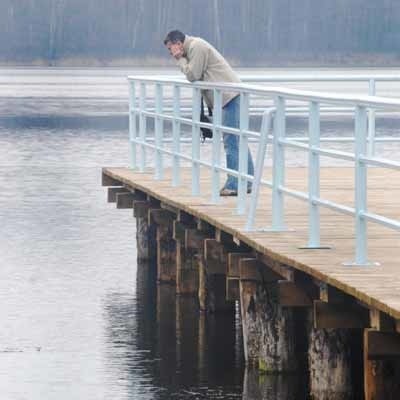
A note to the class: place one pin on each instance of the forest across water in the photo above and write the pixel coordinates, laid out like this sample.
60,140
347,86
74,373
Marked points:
247,32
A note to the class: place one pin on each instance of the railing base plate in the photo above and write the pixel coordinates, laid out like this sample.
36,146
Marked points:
315,248
366,264
270,230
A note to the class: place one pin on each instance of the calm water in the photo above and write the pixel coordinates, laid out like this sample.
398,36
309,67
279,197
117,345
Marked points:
79,318
78,321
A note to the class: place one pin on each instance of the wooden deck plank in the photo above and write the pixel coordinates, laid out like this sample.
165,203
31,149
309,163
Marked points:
378,286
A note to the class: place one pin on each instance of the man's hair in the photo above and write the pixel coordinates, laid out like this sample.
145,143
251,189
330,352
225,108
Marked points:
174,37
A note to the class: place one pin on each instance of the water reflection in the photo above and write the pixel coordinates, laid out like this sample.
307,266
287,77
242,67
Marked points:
258,386
77,320
162,347
165,349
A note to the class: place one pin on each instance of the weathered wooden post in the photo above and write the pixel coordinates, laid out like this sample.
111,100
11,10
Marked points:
334,322
194,239
268,328
382,358
126,198
213,274
166,246
187,271
145,232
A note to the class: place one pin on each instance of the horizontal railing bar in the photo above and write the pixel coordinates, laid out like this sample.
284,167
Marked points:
190,122
321,77
343,155
317,150
334,206
266,183
380,162
325,203
290,112
294,94
293,144
297,139
189,158
388,222
261,107
294,193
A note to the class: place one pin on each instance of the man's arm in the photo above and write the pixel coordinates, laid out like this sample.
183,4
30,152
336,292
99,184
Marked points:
198,62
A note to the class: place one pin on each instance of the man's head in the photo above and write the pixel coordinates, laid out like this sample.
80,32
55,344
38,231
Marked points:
174,43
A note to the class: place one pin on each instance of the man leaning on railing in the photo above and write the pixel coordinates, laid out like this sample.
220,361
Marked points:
200,61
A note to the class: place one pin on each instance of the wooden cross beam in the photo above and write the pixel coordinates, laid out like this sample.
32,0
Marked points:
107,180
340,315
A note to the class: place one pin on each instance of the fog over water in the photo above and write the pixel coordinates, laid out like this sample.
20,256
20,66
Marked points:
80,319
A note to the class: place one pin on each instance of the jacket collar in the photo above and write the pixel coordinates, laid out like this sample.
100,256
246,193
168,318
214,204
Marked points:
186,43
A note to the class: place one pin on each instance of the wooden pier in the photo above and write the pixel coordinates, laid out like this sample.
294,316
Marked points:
350,315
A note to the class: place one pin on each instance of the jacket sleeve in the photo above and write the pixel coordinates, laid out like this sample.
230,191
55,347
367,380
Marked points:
194,68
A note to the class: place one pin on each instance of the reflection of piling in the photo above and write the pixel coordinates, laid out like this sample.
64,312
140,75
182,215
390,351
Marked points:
166,330
258,386
186,323
291,320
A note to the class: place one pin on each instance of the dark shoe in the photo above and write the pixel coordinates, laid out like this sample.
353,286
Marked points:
248,190
227,192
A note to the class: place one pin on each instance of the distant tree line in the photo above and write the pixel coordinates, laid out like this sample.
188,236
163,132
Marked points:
263,32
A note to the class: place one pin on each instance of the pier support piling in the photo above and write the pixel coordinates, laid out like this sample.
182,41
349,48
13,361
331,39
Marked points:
334,324
187,269
268,328
213,265
145,232
329,358
166,246
381,365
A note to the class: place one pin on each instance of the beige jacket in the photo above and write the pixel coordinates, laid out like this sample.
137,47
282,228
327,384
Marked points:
202,62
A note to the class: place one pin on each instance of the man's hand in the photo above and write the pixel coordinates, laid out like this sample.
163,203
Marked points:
176,50
178,54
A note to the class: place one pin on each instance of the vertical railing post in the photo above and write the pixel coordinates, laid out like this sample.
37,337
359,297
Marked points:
360,185
313,177
216,146
132,123
243,153
142,126
196,141
371,120
159,123
278,166
176,128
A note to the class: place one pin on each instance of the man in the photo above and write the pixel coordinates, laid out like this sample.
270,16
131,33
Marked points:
200,61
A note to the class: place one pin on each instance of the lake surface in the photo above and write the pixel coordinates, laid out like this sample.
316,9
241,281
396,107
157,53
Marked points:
80,319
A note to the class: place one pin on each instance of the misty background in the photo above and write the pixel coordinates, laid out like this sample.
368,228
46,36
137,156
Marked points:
247,32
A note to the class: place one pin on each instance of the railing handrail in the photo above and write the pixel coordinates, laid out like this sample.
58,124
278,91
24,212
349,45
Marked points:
304,77
321,77
292,94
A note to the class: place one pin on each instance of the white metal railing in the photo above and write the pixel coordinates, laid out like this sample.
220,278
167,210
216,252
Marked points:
371,81
281,98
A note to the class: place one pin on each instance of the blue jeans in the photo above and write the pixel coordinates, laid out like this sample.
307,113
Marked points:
231,118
